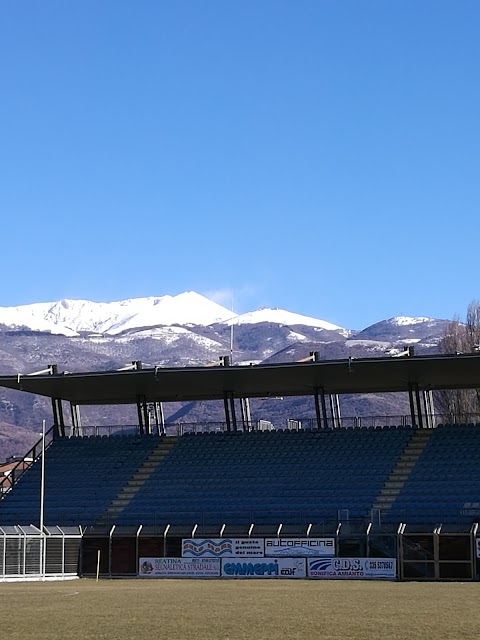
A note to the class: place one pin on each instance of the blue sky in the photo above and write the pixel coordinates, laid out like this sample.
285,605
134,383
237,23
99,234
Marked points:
321,156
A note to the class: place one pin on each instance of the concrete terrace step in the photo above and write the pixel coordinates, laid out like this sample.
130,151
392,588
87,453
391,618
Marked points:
402,470
135,483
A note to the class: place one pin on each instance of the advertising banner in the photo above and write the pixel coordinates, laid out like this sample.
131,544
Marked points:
288,547
274,568
350,568
179,567
222,547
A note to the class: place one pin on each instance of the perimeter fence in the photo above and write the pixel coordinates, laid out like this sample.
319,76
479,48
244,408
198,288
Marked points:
27,553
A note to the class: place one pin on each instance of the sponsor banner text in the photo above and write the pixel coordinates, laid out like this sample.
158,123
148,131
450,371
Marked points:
289,547
352,568
222,547
179,567
267,568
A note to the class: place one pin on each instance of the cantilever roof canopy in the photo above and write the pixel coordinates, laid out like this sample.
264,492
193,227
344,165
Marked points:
365,375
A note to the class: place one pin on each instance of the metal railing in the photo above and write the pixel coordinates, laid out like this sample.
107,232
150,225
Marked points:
289,424
14,474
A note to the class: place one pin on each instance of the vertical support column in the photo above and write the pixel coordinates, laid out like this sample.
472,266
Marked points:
332,411
335,410
159,418
140,418
227,411
161,412
245,412
427,410
228,402
58,420
142,412
60,416
146,417
324,408
232,411
432,408
248,415
76,420
317,408
73,418
153,410
418,406
412,405
230,417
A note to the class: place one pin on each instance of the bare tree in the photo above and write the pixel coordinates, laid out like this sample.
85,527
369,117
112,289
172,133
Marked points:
461,405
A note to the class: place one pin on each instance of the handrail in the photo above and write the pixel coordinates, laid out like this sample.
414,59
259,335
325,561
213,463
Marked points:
10,480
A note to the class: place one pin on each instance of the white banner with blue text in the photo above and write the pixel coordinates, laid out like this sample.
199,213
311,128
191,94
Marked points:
288,547
351,568
179,567
222,547
268,568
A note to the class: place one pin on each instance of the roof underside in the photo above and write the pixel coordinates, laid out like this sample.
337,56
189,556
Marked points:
368,375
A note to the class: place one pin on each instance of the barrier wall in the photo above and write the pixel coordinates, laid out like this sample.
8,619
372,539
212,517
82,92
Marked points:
417,556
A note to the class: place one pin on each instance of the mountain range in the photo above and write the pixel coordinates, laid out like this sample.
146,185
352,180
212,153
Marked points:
184,330
75,317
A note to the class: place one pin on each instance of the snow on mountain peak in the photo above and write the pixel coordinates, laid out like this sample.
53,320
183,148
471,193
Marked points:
70,317
402,321
280,316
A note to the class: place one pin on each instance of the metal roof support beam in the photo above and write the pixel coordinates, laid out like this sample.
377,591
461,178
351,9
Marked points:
153,411
230,417
432,408
242,414
232,411
58,420
246,417
188,384
227,411
418,406
319,397
416,412
429,408
412,405
335,410
76,419
159,418
324,408
57,408
142,412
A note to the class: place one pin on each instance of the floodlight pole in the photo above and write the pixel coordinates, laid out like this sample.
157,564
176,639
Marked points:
42,504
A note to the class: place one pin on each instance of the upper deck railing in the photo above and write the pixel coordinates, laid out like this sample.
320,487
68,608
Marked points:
290,424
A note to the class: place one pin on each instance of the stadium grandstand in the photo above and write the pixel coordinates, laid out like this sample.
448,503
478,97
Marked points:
93,499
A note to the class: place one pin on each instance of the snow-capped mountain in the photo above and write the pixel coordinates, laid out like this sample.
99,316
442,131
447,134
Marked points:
405,321
187,330
404,329
280,316
72,317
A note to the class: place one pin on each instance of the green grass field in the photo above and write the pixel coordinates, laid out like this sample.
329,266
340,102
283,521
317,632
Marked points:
238,609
